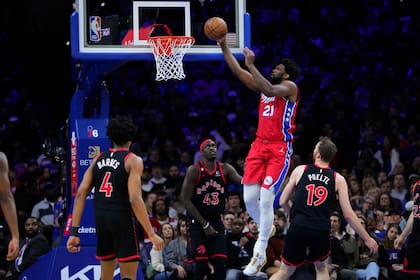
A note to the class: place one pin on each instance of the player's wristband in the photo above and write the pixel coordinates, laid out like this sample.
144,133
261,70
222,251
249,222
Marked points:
206,226
74,231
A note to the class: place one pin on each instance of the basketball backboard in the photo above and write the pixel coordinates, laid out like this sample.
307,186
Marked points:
106,29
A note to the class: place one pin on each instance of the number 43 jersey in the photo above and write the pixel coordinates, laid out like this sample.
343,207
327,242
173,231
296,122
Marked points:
209,191
110,180
314,198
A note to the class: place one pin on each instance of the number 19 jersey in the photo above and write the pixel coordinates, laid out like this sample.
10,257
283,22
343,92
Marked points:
314,198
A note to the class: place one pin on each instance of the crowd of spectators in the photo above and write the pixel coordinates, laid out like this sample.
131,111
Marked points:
359,85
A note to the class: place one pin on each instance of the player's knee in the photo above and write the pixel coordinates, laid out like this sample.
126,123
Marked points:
251,194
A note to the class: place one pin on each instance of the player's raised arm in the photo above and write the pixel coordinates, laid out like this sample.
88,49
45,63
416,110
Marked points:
350,216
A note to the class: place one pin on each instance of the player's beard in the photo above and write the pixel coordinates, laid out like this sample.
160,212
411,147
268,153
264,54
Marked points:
211,158
275,80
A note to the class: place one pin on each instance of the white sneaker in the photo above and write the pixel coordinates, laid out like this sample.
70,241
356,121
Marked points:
257,262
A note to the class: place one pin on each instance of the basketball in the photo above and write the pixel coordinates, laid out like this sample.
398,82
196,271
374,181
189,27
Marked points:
215,28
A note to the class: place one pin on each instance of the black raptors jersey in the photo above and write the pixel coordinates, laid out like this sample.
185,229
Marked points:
314,197
110,181
209,191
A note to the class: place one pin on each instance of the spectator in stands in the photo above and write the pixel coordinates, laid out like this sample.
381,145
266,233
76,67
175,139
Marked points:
234,203
174,182
399,188
161,213
239,248
227,221
386,187
158,258
344,246
390,257
157,177
366,265
33,246
276,244
44,211
176,253
355,193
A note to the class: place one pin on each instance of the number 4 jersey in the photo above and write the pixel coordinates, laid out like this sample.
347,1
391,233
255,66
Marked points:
314,198
110,180
209,191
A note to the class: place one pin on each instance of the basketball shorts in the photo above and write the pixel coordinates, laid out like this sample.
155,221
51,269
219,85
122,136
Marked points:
201,248
303,243
116,236
412,256
268,164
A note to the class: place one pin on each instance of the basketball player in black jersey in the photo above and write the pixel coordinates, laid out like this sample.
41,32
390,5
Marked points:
314,187
203,194
412,229
115,175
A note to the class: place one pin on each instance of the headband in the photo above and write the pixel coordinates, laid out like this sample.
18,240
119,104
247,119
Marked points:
204,143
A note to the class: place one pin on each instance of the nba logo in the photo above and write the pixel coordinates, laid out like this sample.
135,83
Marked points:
95,28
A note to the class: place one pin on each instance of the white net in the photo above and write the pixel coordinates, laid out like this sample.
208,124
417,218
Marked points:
169,52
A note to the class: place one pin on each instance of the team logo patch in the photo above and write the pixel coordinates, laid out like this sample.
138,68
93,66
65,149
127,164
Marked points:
201,250
268,180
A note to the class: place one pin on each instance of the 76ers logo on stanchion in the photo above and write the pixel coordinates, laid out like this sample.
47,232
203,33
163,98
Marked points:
95,28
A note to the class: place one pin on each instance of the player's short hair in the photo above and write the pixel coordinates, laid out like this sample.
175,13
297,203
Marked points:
291,68
121,129
327,149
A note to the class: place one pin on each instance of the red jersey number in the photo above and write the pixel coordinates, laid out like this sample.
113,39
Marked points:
106,186
211,198
316,195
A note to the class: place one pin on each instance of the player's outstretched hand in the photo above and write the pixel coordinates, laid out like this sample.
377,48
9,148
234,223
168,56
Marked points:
249,56
398,242
13,249
157,241
372,245
221,40
73,244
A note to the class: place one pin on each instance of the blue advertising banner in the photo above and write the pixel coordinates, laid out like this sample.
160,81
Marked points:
88,139
62,265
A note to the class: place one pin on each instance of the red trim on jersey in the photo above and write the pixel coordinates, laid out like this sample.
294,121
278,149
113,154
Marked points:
207,170
117,149
199,173
135,257
128,155
223,256
98,155
221,171
322,167
291,264
411,271
107,257
321,258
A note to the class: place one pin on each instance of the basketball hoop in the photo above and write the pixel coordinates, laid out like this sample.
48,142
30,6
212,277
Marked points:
169,52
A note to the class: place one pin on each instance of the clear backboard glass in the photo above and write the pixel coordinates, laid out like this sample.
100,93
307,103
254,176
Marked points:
120,29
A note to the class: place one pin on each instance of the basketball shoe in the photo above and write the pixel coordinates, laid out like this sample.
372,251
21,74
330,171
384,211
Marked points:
258,260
